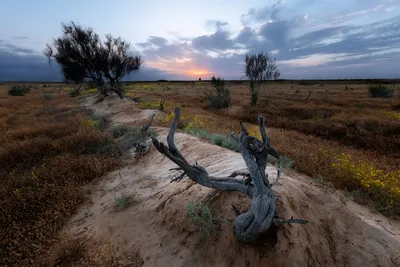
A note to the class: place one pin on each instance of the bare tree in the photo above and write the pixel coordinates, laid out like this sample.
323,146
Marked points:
248,226
259,68
82,54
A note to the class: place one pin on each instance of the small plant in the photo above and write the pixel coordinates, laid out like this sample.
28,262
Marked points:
200,215
297,91
87,212
48,96
119,131
320,180
382,91
98,122
197,122
121,201
223,98
18,90
284,162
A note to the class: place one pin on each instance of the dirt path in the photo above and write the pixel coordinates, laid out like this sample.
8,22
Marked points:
153,227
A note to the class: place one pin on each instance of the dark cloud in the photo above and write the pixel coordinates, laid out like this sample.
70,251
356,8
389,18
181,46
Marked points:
275,32
219,40
246,36
14,49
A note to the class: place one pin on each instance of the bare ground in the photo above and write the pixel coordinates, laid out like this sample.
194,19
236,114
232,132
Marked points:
152,230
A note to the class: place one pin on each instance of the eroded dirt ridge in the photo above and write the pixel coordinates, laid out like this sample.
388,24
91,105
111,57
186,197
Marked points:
154,228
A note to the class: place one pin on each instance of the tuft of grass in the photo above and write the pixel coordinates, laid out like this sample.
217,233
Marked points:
121,201
203,219
18,90
285,162
382,91
149,105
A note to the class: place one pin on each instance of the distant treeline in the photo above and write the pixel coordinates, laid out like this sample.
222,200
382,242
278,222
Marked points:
300,82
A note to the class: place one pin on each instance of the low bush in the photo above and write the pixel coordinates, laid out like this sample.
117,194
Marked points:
217,139
382,91
18,90
201,217
119,131
223,98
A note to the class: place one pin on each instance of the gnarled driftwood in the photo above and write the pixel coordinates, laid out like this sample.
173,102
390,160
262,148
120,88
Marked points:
248,226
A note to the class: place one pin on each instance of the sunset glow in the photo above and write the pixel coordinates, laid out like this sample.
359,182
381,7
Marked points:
198,72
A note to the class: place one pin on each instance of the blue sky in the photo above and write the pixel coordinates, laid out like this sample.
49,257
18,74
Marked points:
188,39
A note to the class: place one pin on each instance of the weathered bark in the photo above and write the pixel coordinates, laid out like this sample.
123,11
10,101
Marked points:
248,226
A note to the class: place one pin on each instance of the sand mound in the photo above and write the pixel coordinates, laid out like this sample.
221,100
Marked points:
154,223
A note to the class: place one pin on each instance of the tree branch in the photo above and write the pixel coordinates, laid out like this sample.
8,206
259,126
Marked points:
248,226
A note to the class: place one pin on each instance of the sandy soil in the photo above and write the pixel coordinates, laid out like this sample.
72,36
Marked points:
154,229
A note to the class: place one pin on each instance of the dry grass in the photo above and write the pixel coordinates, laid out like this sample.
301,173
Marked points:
336,119
47,153
81,252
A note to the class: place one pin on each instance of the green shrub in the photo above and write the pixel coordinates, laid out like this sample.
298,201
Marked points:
119,131
99,122
217,139
225,141
382,91
121,201
18,90
205,222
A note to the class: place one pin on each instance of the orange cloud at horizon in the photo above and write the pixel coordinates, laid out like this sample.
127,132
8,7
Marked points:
178,66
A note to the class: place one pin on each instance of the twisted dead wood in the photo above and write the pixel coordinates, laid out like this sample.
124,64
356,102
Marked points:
248,226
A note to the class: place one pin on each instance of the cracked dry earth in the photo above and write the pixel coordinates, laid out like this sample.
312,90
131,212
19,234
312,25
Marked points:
154,229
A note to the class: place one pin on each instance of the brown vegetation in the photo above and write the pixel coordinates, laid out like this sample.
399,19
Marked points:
336,120
48,151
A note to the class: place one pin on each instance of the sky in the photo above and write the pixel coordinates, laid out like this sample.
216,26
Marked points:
310,39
